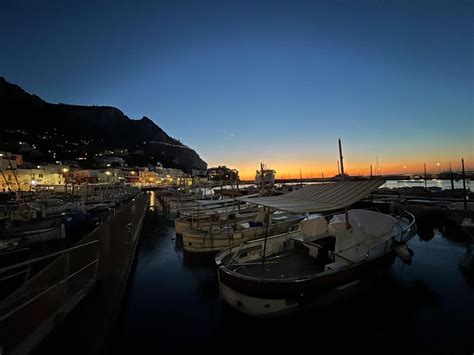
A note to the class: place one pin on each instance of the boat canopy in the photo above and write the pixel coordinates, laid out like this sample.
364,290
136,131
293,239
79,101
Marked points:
224,201
321,197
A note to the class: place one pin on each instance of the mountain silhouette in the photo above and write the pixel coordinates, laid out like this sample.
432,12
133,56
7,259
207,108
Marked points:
42,131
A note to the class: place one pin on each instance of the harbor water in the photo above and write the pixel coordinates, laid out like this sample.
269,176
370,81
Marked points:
172,304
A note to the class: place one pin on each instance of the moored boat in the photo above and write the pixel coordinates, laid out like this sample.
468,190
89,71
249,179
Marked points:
205,219
229,233
321,260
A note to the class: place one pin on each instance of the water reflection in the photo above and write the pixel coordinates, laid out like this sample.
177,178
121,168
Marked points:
467,265
173,305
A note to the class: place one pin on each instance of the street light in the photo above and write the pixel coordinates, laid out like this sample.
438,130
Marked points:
439,168
405,167
108,173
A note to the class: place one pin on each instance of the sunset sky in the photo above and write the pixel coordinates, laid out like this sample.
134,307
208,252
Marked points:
243,82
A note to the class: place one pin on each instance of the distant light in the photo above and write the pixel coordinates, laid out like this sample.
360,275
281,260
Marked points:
107,173
1,154
33,182
65,170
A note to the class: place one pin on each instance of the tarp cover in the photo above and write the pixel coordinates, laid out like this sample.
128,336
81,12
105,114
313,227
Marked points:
321,197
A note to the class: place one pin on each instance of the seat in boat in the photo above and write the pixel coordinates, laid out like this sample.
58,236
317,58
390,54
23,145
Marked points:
325,246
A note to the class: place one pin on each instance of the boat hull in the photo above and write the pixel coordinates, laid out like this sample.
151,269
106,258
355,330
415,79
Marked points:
181,225
195,241
263,297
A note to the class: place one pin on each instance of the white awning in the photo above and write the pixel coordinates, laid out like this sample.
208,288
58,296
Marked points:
321,197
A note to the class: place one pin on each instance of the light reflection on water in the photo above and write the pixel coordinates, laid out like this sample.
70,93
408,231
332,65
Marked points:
172,305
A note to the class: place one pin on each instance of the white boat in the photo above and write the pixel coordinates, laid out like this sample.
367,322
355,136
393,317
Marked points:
314,264
265,177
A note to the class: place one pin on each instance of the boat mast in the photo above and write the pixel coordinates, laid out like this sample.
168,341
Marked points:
4,178
14,174
343,178
341,160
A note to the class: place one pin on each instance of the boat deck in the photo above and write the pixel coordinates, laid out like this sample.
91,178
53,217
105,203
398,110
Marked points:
293,264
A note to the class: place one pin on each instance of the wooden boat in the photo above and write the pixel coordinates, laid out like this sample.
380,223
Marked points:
32,232
315,264
231,233
205,219
176,206
305,267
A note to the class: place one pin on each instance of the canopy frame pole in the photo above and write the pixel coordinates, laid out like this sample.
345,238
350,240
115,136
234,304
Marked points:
452,179
346,217
267,222
464,184
228,224
425,177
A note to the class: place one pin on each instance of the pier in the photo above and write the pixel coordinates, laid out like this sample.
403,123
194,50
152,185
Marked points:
70,306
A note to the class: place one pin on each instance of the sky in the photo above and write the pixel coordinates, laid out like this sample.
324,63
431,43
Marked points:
244,82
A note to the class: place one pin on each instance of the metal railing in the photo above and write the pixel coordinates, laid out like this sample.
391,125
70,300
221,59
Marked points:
408,231
46,294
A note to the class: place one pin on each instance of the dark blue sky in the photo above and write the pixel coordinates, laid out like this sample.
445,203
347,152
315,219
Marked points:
244,81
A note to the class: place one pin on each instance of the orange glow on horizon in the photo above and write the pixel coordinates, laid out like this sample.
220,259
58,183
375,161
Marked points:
292,170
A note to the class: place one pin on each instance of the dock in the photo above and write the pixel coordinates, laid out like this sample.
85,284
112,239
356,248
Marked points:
70,306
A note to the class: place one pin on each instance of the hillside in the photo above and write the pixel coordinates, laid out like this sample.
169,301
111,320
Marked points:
43,132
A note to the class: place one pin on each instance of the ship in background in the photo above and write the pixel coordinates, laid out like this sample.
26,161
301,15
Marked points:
265,177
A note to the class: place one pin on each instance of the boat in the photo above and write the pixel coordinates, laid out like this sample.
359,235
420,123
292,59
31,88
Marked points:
450,212
28,232
318,262
228,232
265,178
205,219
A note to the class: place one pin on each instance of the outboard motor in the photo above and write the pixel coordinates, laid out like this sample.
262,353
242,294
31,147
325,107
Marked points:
404,253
